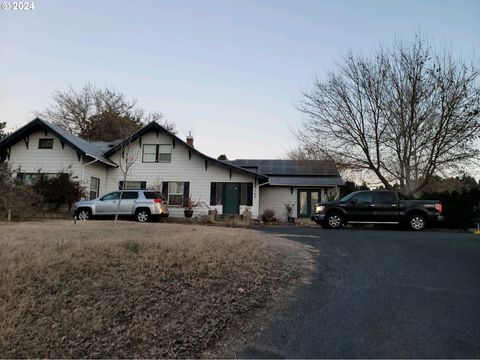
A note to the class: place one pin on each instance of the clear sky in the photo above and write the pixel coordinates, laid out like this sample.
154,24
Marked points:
230,71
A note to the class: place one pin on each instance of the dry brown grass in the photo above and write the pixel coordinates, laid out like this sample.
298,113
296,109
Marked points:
133,290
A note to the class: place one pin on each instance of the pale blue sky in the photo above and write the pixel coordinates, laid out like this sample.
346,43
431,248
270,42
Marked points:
229,71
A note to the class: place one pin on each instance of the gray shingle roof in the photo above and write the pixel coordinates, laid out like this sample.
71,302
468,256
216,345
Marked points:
92,149
289,167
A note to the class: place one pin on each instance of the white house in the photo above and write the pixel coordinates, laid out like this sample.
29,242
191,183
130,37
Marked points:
174,167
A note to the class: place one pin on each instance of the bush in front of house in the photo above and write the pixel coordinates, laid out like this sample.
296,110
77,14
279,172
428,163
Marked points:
268,216
17,200
59,190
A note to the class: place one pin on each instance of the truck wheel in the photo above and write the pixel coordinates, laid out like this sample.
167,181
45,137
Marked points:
84,214
142,215
417,222
334,221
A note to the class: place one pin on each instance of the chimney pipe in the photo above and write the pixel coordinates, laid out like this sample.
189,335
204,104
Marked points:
190,139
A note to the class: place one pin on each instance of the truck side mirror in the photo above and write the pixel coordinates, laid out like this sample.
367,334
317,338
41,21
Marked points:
353,201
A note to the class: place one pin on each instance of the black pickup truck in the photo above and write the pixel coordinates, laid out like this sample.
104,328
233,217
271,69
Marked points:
378,207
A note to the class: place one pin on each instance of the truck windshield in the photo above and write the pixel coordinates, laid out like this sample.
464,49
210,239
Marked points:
349,196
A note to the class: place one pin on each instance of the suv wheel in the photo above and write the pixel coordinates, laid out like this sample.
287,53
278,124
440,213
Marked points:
84,214
142,215
334,221
417,222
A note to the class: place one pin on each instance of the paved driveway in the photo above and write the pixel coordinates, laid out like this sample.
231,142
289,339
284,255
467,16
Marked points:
380,293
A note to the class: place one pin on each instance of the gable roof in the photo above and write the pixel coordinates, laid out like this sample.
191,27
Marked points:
290,167
81,146
154,126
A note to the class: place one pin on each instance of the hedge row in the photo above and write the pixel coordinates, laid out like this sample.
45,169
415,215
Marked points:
461,208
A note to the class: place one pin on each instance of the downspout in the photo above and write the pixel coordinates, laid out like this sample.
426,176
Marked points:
83,168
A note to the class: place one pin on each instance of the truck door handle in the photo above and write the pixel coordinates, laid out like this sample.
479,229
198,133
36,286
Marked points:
372,205
394,205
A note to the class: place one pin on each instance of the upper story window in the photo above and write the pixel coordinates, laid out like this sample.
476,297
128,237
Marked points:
45,143
164,153
157,153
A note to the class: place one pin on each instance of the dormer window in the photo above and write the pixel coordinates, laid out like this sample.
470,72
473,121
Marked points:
157,153
45,143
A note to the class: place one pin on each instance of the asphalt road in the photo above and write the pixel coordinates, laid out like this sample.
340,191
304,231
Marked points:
380,294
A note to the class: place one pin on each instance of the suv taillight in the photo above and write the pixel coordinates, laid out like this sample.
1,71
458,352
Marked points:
158,201
439,208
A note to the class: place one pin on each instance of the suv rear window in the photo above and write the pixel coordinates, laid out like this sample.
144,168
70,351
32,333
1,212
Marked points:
128,195
152,195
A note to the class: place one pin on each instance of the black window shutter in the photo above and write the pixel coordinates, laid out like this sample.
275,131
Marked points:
186,190
143,185
213,193
120,185
249,194
165,189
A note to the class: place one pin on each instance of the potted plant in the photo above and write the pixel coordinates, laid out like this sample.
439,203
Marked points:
289,207
188,206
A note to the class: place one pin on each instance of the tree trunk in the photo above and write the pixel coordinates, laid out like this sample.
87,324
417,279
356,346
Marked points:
9,215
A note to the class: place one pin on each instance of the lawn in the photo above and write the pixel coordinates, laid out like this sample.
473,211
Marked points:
100,290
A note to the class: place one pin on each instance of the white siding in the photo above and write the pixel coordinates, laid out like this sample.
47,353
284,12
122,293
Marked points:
96,169
275,198
181,168
33,159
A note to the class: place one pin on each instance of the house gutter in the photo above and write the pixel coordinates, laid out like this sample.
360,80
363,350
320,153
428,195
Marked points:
84,165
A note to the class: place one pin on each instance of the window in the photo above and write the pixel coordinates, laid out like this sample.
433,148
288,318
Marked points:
246,194
175,193
28,178
133,185
164,153
385,197
216,193
219,194
364,197
157,153
130,195
31,178
45,143
112,196
149,153
94,187
152,195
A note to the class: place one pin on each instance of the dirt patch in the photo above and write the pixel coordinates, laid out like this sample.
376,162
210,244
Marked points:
94,290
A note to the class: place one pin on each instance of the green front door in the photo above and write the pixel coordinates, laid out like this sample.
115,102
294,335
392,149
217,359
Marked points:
306,200
231,198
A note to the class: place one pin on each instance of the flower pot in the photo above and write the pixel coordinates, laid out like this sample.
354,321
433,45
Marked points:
291,220
188,213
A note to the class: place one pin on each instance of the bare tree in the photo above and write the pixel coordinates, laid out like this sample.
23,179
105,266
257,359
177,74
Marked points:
128,157
404,115
3,133
99,114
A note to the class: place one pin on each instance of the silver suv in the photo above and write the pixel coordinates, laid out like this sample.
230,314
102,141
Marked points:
144,204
